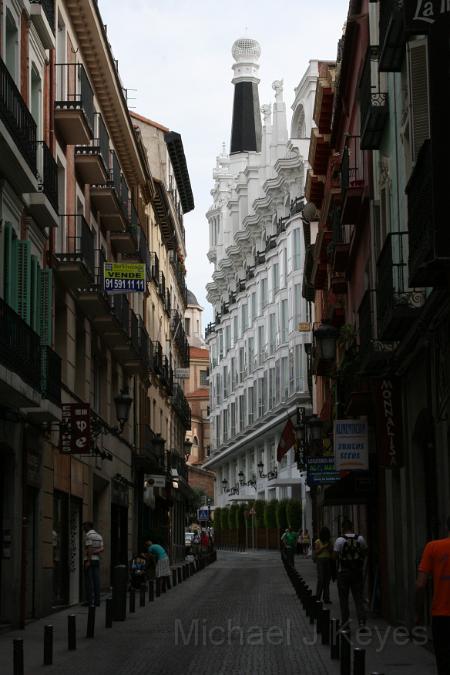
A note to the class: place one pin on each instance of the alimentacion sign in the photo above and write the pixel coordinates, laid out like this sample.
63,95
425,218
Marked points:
124,277
351,445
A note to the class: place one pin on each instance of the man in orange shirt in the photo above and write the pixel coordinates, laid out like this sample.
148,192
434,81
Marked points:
436,563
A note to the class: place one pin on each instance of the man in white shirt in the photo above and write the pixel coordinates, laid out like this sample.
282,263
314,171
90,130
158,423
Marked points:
93,546
350,550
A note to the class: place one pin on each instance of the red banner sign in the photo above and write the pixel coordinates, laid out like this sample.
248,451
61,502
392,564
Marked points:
76,428
389,423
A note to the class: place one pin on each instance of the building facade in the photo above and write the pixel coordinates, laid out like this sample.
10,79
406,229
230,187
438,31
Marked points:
258,374
377,272
76,191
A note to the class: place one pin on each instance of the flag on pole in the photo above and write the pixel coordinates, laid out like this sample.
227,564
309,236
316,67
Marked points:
287,440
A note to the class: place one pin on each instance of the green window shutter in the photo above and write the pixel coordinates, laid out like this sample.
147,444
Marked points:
9,266
35,294
23,289
419,96
46,310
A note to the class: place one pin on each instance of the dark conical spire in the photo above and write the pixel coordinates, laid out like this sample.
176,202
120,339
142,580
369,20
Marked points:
246,128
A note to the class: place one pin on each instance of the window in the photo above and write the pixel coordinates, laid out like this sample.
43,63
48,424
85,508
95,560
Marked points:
251,405
244,317
271,388
261,345
233,373
225,425
233,420
203,378
297,304
285,269
225,382
272,333
263,293
36,99
296,249
227,338
284,378
187,327
242,370
253,310
235,329
275,280
284,321
251,354
220,345
11,46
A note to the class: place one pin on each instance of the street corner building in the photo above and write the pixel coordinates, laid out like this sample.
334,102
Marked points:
93,417
259,374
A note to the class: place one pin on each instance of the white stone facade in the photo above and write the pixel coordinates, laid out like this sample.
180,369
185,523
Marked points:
258,372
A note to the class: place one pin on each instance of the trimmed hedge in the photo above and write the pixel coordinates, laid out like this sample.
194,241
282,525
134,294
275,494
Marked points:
270,513
217,519
281,516
233,520
294,514
224,518
259,505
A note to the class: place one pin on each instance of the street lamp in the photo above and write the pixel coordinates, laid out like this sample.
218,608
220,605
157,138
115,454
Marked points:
123,403
270,475
326,336
242,482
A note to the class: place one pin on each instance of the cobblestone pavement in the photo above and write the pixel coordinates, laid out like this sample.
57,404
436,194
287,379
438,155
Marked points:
389,650
238,616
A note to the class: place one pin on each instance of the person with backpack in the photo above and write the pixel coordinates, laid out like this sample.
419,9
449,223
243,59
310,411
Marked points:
350,550
289,542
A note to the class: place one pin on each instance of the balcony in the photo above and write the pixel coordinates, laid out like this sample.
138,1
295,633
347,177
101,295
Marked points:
308,290
178,463
429,247
374,355
43,203
50,375
338,283
17,136
314,188
179,271
323,105
42,15
145,349
92,160
209,330
19,353
127,351
75,266
397,305
110,199
151,457
353,181
392,36
74,104
319,151
163,215
181,406
126,242
373,108
166,375
162,286
353,396
319,266
179,337
157,358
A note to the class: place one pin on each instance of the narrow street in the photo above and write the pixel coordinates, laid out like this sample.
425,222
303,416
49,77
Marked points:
248,619
238,616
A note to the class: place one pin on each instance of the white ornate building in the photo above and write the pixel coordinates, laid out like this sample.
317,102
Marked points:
258,371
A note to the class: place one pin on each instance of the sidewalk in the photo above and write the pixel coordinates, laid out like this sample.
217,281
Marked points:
388,649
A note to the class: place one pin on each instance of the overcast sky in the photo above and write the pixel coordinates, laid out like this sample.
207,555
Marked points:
177,55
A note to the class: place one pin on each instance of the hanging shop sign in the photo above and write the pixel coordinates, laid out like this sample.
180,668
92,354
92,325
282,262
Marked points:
123,277
351,445
75,428
389,424
321,471
155,480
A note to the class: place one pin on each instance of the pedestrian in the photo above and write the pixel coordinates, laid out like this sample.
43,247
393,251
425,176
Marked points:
323,549
351,550
289,541
306,542
161,557
93,547
300,542
435,563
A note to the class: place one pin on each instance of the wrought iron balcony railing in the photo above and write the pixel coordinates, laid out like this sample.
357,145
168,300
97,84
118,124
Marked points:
47,174
80,246
17,118
181,406
74,91
19,346
373,106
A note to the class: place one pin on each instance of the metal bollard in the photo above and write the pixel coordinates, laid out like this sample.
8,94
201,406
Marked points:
174,577
334,638
168,584
132,603
151,590
158,587
119,593
318,615
18,656
108,613
163,584
345,652
312,609
71,632
48,645
325,626
359,661
142,591
90,628
179,575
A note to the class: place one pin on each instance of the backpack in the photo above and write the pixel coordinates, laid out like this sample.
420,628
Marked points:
352,554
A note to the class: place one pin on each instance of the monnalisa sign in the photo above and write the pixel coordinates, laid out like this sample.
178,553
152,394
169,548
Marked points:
428,10
351,445
124,277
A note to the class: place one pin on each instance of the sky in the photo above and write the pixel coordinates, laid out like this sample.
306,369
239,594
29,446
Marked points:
176,55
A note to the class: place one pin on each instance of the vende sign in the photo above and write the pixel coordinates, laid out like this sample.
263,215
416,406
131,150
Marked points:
389,429
351,445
